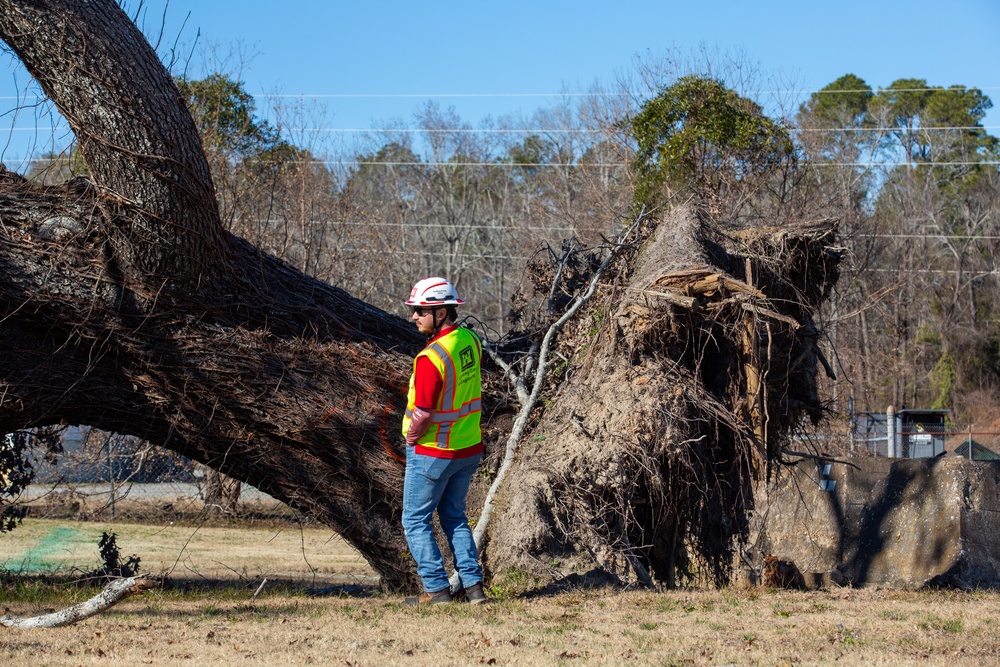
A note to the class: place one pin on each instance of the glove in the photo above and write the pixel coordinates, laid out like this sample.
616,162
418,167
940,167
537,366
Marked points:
419,424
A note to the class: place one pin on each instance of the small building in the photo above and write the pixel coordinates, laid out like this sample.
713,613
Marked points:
972,449
902,434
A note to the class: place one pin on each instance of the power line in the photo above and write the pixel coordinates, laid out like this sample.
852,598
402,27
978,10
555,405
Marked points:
408,225
596,165
953,89
934,271
419,130
409,253
973,237
518,228
607,165
347,130
622,164
943,128
957,89
420,95
349,163
527,257
604,94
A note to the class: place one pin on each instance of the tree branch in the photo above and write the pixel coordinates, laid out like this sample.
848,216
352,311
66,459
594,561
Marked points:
112,594
527,406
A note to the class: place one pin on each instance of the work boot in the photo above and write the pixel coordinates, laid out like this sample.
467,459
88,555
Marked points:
474,594
437,597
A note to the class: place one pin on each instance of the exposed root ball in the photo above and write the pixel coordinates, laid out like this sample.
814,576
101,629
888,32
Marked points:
682,385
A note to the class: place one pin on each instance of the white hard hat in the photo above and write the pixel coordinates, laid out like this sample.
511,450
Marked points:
433,292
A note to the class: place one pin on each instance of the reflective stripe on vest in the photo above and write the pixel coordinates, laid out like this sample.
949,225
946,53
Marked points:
455,424
445,416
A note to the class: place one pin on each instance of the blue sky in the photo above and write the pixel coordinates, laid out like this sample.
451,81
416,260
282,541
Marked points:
384,59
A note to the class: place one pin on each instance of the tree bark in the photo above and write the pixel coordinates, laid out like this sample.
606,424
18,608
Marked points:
220,493
124,304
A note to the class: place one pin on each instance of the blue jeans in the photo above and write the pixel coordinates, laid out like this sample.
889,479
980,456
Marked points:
439,484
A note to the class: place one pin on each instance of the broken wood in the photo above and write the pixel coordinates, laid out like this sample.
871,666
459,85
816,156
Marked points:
754,386
698,283
688,302
113,593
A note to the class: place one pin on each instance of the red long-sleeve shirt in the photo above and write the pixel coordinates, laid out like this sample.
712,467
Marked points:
427,380
427,386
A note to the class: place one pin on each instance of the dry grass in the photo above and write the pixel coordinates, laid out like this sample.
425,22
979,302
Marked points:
600,628
308,554
283,625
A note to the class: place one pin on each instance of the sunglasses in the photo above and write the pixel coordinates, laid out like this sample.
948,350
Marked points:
420,312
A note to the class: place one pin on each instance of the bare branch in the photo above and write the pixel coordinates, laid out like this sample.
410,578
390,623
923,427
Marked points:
112,594
521,422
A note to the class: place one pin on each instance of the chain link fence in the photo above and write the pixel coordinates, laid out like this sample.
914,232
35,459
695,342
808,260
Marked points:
91,474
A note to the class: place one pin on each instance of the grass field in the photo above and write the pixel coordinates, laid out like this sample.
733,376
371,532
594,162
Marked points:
279,551
221,622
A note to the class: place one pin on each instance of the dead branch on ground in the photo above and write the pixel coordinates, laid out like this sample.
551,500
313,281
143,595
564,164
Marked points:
113,593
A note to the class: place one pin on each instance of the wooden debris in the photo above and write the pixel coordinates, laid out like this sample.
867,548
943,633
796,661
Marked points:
112,594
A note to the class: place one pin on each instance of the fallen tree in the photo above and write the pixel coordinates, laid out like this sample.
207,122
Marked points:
124,305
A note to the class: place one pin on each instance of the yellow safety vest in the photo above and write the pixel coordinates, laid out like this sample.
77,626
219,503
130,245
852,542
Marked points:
455,424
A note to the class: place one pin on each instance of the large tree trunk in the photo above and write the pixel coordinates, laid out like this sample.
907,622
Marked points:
124,305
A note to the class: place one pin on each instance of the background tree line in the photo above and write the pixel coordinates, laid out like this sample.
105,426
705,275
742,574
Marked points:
908,171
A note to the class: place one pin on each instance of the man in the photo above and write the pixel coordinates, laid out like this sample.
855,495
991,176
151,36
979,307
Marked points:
444,442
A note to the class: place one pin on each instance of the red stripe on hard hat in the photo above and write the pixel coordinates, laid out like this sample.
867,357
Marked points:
430,287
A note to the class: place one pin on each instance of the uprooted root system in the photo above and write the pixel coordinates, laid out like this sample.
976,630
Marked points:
681,386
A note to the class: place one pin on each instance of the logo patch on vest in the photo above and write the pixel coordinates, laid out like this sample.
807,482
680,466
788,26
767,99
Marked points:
467,357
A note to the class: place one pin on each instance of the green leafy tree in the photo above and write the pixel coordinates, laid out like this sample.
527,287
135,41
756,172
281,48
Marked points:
934,124
841,103
906,171
18,455
833,122
226,116
836,136
698,133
